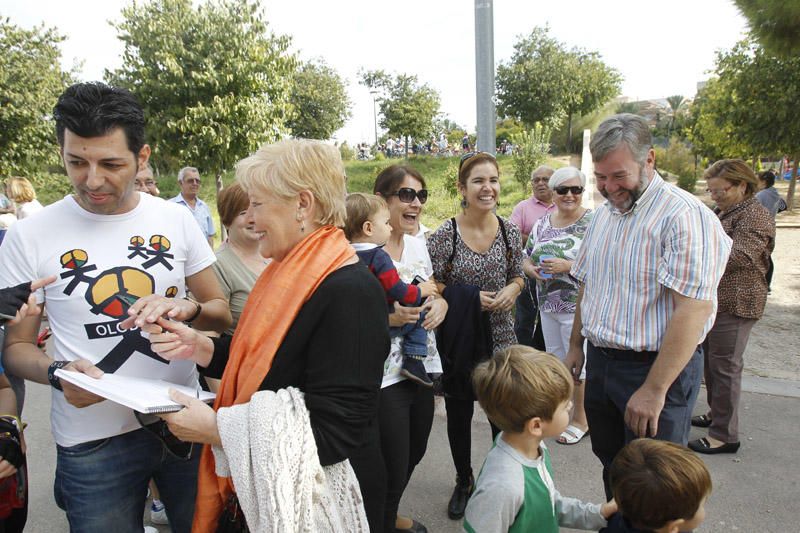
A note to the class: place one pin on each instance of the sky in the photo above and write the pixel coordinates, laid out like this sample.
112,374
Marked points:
660,47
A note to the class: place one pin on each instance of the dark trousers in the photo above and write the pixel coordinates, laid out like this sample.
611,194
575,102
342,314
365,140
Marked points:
527,323
459,433
405,415
367,463
612,376
770,272
723,348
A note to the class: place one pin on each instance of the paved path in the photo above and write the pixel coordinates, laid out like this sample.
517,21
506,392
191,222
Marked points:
754,491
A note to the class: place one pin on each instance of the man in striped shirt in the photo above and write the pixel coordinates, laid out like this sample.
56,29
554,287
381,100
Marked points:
650,265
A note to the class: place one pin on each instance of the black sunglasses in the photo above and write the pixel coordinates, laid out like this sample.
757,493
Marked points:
469,155
563,189
407,195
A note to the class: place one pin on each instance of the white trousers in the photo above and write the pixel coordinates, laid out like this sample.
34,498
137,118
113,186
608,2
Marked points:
557,329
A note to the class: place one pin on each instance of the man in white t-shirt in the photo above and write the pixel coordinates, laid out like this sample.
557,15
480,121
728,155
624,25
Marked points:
121,259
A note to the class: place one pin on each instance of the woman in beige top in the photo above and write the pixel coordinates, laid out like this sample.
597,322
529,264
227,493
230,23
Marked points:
238,263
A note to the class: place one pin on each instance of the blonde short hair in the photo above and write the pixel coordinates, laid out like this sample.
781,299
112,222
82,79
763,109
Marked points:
20,190
520,383
360,208
289,167
734,171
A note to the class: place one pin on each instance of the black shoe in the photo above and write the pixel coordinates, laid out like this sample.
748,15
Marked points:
704,446
458,501
416,527
701,421
414,370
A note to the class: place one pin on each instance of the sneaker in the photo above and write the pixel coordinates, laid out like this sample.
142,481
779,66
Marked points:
414,370
158,514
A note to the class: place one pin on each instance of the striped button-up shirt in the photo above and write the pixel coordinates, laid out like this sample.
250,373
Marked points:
667,240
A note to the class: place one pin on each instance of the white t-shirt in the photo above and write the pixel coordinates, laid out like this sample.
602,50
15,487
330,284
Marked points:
415,261
151,249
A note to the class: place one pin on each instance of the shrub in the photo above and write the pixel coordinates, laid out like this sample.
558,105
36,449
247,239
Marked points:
677,159
347,153
531,149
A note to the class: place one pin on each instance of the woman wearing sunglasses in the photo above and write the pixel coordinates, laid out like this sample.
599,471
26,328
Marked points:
478,256
552,246
405,409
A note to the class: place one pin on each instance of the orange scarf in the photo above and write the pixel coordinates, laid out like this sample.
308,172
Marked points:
271,308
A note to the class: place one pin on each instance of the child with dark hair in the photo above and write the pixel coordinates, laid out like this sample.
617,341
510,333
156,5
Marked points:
528,395
659,487
367,228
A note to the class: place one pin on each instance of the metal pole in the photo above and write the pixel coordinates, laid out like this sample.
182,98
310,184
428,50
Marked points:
484,75
375,116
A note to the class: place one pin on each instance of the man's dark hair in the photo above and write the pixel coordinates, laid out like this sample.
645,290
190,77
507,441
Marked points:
94,109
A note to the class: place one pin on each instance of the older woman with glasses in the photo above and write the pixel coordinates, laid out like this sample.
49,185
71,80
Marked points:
741,295
478,257
551,249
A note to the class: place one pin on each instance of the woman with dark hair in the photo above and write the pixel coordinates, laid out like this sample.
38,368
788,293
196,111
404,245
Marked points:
741,295
405,411
239,263
477,255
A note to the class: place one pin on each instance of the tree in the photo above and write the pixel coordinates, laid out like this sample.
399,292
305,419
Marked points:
676,103
545,82
407,108
592,84
755,103
214,82
320,102
31,80
531,148
773,24
710,131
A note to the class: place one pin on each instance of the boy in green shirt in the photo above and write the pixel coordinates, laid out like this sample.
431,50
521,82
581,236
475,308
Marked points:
527,394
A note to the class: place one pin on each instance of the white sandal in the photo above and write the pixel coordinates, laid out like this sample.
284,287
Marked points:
571,435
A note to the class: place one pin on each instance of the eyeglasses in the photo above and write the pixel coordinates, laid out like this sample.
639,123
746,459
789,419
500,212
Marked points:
470,155
193,181
563,189
407,195
717,192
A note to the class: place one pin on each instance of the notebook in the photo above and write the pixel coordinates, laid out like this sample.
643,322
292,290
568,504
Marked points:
148,396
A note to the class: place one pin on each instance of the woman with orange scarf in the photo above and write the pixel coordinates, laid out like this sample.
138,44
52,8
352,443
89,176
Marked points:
316,320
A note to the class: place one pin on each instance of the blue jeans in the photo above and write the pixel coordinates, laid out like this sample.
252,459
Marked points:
610,382
415,338
102,484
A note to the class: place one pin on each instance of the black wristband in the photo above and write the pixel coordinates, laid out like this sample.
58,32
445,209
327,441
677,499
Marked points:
10,447
196,312
51,374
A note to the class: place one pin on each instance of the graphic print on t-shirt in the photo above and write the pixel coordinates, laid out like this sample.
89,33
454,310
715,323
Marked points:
111,293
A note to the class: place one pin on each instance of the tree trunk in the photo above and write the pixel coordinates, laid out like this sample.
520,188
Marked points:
792,185
755,158
223,233
406,146
569,133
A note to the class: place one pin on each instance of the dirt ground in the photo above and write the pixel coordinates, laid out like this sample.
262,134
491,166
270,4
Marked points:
774,347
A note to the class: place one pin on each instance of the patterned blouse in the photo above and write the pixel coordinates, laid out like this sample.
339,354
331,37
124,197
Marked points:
491,271
559,294
742,290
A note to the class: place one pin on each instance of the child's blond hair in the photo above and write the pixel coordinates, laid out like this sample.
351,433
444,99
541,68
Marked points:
520,383
655,482
360,208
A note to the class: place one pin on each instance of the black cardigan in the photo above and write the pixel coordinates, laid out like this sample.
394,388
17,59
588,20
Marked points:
333,352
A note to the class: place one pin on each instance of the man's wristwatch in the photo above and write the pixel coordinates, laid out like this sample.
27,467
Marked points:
197,311
51,374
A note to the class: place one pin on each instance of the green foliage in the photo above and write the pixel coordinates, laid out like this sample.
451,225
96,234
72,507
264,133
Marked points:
31,80
773,24
407,108
346,151
544,82
710,132
49,186
678,160
531,150
214,82
506,129
628,107
320,102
